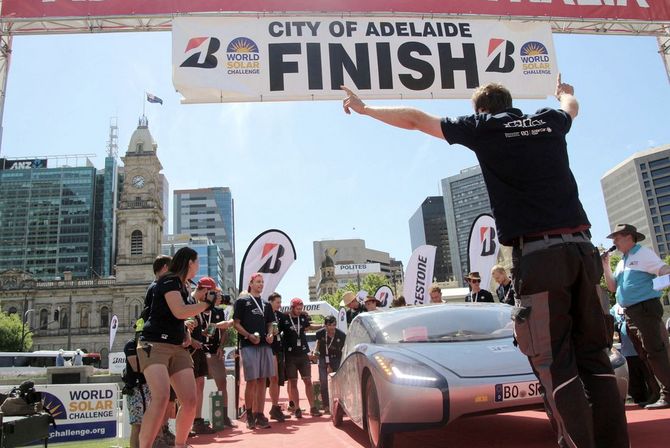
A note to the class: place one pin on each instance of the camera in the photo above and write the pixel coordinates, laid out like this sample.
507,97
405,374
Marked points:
226,299
211,295
28,393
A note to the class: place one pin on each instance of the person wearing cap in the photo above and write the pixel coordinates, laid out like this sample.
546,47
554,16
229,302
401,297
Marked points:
354,307
253,319
161,353
558,319
477,294
371,303
632,283
206,329
293,328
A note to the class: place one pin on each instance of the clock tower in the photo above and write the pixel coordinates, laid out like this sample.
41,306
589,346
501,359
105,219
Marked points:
140,215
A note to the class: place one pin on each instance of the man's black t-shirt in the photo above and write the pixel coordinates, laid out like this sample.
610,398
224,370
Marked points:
524,161
480,296
326,345
254,314
294,337
162,325
206,333
132,375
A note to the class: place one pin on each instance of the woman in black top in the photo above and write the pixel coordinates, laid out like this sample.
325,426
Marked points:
163,358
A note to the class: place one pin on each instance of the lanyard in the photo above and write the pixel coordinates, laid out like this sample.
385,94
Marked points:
260,307
331,343
509,290
475,296
293,325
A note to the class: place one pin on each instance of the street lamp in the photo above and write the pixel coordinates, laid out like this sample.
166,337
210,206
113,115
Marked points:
23,327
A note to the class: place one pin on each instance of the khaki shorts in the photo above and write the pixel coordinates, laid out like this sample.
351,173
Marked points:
216,367
175,357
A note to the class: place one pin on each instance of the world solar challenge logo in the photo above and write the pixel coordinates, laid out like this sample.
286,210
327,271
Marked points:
535,59
242,57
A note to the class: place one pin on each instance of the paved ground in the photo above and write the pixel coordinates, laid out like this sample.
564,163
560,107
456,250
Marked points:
528,429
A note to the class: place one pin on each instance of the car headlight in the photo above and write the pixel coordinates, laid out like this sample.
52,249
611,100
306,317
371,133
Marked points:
402,370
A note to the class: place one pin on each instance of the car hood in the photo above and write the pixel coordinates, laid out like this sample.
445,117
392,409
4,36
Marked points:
473,359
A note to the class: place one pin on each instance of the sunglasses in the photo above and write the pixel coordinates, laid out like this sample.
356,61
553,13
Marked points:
475,281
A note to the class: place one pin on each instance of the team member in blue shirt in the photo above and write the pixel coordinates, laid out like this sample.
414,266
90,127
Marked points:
632,282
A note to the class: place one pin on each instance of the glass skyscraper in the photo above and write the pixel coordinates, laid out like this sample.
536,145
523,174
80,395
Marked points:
54,220
637,192
209,212
428,225
465,198
47,220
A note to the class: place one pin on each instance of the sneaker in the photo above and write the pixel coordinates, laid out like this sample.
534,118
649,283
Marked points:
660,404
228,423
262,422
167,436
251,421
298,413
277,414
314,412
200,427
161,443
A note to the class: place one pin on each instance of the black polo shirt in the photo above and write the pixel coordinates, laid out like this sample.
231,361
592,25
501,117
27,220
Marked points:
162,325
254,314
326,345
480,296
293,330
524,161
277,342
211,339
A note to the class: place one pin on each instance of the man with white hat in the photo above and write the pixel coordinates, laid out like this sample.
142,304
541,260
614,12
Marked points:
632,282
354,307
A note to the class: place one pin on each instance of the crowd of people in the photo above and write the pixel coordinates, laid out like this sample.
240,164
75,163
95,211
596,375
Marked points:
558,316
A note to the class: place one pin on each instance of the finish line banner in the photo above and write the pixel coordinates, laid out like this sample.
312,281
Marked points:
229,59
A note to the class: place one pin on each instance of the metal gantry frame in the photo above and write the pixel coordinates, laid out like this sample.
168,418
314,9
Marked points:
111,24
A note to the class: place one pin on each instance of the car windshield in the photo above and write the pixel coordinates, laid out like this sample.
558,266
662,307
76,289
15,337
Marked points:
443,323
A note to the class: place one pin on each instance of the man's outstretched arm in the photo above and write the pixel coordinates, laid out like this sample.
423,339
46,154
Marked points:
401,117
565,94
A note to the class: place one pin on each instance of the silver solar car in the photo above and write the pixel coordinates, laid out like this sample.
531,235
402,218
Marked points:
422,367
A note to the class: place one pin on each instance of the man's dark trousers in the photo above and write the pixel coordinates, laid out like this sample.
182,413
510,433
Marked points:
559,325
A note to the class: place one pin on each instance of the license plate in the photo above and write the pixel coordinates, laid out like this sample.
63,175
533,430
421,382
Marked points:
517,391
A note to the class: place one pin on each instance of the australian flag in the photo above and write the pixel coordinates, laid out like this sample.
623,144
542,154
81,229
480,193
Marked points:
154,99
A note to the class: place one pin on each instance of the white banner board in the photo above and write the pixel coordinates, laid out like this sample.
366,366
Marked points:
227,59
81,411
483,247
357,268
419,275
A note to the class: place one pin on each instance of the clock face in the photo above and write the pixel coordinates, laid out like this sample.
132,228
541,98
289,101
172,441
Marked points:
138,181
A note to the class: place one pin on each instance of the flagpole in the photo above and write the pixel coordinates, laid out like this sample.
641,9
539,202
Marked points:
144,103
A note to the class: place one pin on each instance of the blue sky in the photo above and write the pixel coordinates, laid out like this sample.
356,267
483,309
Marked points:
306,167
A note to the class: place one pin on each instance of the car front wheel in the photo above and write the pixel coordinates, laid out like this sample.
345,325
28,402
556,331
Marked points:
336,414
373,417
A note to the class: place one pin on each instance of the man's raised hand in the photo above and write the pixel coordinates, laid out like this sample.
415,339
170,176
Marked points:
352,102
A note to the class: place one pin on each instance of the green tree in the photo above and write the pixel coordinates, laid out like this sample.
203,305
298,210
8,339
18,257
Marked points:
10,334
